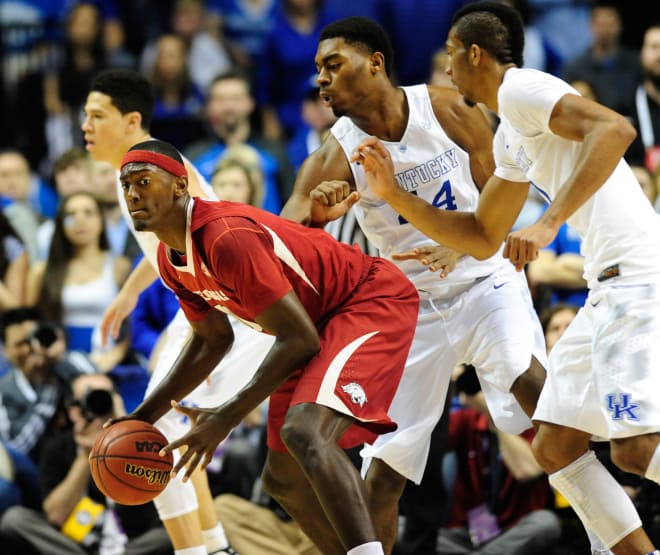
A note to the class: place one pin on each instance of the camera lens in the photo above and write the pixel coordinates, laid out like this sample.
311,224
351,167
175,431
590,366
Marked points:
97,402
45,334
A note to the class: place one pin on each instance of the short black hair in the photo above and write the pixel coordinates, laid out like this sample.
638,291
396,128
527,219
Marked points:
129,91
363,31
18,315
161,147
495,27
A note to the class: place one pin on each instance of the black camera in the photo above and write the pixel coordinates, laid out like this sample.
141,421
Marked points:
96,403
45,334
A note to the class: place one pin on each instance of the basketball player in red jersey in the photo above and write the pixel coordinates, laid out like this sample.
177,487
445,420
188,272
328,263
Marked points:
343,323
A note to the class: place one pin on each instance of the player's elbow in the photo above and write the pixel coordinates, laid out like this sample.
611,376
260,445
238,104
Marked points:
485,248
624,130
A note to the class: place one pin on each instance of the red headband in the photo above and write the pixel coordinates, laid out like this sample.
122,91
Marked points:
161,160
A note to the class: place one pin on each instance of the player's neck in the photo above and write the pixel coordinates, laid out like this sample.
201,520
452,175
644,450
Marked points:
385,115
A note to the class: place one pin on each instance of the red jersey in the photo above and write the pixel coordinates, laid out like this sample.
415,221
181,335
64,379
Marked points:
241,259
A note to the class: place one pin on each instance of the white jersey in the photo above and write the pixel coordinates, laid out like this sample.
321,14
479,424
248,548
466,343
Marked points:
430,165
617,224
146,239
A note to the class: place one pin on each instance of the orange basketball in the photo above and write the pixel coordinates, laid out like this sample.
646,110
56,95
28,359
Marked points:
126,465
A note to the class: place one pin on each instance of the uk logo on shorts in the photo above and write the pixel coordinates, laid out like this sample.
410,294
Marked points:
358,396
623,408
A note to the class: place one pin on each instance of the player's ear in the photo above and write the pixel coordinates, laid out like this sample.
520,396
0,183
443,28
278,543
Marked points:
180,186
134,121
377,62
474,54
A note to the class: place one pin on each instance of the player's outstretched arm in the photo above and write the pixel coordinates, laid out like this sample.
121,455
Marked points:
139,279
297,341
478,234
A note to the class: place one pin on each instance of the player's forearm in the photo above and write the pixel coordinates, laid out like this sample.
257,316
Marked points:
457,230
196,361
142,276
602,150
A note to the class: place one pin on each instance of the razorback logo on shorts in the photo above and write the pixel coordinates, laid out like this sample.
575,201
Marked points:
358,396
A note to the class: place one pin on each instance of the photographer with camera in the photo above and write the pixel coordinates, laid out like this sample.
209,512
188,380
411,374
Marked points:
41,370
76,518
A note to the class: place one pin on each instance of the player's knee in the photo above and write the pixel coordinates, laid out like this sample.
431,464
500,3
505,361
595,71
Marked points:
555,447
301,433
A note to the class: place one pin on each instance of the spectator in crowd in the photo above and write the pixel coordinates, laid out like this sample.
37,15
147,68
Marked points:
611,68
317,119
75,518
238,176
644,105
229,105
178,100
564,25
18,479
207,57
499,493
287,62
120,238
554,321
19,193
72,172
245,26
417,29
32,391
80,278
80,55
14,266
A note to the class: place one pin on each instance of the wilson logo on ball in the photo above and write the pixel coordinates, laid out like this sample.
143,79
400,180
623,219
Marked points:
151,475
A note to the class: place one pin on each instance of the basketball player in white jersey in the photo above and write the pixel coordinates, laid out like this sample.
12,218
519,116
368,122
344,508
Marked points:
118,112
603,376
481,313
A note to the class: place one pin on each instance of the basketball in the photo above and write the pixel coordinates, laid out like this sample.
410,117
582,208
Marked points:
125,463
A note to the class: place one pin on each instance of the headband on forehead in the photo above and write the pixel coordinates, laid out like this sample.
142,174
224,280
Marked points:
161,160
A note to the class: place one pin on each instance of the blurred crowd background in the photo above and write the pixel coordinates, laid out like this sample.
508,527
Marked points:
235,90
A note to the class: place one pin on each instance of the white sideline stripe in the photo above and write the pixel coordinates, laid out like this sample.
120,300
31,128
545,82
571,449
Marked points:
326,395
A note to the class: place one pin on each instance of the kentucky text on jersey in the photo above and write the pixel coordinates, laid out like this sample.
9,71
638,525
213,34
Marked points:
412,178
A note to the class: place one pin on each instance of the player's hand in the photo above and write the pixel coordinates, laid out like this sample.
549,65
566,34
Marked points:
436,257
378,167
331,200
122,305
209,428
523,246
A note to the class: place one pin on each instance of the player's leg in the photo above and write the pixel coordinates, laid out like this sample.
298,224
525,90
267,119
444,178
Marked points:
285,482
527,387
311,434
385,487
213,532
597,498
